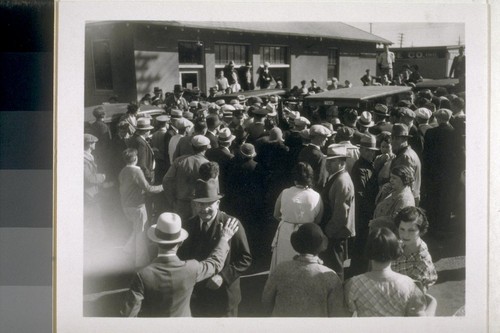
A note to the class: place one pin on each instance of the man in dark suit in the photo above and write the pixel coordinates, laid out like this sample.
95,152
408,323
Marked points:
313,155
164,287
145,154
220,295
440,170
222,155
213,124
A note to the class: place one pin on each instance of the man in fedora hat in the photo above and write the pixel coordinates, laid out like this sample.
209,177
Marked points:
164,287
220,295
176,101
159,143
303,287
222,155
145,154
339,203
406,156
365,183
365,122
313,155
213,124
314,88
380,117
179,181
184,146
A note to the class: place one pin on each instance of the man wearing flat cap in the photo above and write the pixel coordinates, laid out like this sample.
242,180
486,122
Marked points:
164,287
93,181
380,117
179,181
220,295
313,155
339,203
406,156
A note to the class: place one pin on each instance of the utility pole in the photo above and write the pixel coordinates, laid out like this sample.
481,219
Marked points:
459,42
371,27
401,37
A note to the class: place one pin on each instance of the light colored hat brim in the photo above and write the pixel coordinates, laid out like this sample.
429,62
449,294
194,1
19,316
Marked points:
151,235
144,128
370,124
206,200
335,157
370,148
231,138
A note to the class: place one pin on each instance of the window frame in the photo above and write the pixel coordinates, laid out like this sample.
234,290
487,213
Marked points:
286,57
191,65
247,56
94,68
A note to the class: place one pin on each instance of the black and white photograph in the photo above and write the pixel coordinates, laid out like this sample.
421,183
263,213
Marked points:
245,172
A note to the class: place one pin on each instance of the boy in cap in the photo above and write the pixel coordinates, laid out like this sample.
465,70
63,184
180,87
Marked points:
133,187
339,215
164,287
220,295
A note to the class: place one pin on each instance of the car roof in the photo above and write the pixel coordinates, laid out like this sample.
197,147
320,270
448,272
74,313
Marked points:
114,109
450,82
359,93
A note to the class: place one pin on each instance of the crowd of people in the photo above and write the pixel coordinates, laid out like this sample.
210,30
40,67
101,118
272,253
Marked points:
209,186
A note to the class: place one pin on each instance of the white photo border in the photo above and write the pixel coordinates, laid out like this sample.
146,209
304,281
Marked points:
70,26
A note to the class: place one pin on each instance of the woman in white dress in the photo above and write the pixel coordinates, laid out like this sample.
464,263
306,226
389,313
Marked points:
295,206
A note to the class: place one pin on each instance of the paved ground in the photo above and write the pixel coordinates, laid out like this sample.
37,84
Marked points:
108,273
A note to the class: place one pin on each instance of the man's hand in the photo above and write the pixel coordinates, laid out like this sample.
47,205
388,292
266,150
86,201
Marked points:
215,282
230,228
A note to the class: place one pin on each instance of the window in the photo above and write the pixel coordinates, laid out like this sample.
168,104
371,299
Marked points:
224,53
275,55
333,63
190,53
102,65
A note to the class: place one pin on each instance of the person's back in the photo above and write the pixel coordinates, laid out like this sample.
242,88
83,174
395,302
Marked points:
382,294
304,288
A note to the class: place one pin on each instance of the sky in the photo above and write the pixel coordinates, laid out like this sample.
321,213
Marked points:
417,34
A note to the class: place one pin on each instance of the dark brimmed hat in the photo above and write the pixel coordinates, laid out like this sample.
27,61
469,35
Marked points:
381,110
309,239
400,130
368,142
167,230
248,150
178,88
261,111
206,191
345,133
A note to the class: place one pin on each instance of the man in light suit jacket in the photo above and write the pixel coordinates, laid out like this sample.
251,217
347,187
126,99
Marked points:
339,217
164,287
221,294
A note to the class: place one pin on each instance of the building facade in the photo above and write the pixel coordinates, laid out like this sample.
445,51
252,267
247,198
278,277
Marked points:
433,62
129,59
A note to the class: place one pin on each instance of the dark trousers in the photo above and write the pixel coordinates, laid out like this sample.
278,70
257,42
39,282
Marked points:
335,255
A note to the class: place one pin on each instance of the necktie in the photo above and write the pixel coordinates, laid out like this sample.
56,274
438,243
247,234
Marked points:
204,227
